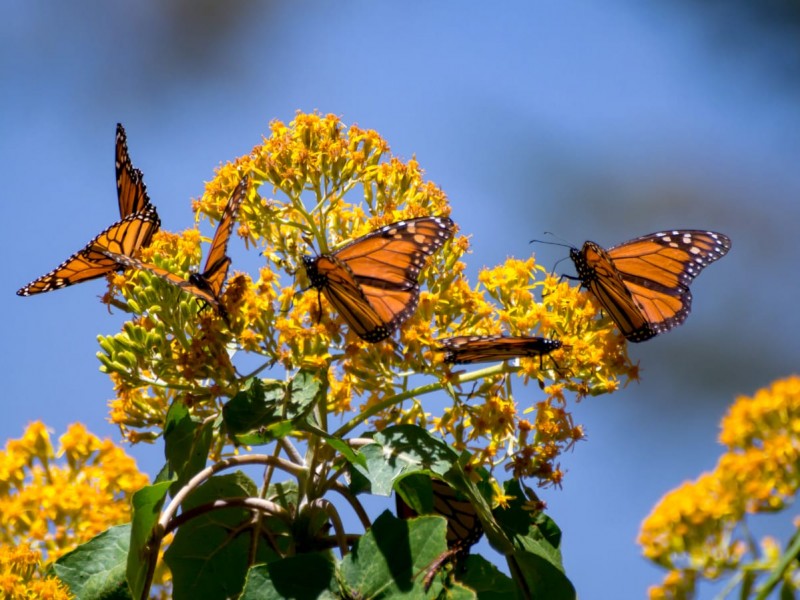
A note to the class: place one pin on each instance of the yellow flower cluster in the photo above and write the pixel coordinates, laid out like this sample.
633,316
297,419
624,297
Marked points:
22,577
693,529
322,184
57,500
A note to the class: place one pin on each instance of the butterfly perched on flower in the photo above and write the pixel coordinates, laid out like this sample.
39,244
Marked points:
207,286
373,281
643,284
139,222
489,348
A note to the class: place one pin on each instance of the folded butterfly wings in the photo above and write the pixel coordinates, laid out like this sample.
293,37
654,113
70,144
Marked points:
473,348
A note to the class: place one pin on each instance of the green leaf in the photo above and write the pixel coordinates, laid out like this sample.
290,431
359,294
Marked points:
256,405
186,444
391,559
346,451
305,390
416,491
210,553
263,411
147,504
400,451
487,580
96,569
303,577
540,576
538,535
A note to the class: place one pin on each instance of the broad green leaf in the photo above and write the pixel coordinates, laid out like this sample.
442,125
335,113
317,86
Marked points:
538,535
400,451
303,577
486,579
541,577
147,504
391,559
186,444
263,411
256,405
209,555
96,569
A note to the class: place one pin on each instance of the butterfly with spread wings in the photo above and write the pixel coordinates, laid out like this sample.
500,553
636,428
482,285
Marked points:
139,222
466,349
643,284
373,281
207,286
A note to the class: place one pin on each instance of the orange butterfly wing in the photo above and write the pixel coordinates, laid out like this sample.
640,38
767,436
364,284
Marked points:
473,348
91,262
131,191
373,281
217,262
643,284
207,286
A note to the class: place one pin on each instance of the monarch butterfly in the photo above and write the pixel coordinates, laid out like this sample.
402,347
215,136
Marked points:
139,222
206,285
643,284
474,348
464,528
372,281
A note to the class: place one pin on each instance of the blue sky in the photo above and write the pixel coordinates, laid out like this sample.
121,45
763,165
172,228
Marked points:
599,122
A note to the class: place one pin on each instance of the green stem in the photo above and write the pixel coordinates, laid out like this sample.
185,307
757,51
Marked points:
424,389
788,557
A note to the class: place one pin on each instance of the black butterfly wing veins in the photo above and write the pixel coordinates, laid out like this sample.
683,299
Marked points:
131,191
139,221
373,281
207,286
91,262
644,283
467,349
217,263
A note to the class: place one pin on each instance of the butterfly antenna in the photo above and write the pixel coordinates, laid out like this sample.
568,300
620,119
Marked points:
563,242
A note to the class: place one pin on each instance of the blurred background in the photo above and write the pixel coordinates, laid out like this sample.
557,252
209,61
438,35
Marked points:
594,121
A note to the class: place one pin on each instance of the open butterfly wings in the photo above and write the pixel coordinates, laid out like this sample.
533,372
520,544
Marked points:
139,222
91,262
131,191
207,285
473,348
373,281
643,284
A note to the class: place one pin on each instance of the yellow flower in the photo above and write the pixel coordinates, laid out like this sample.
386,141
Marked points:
693,529
318,184
63,505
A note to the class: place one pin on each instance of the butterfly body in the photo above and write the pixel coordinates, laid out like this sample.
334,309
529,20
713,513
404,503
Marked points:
474,348
373,281
643,284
